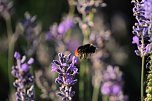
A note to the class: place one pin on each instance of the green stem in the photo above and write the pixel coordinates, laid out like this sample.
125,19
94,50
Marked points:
81,82
142,79
10,50
105,98
95,93
87,31
87,81
142,71
72,7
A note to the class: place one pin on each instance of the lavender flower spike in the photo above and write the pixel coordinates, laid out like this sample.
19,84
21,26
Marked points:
66,74
65,25
141,30
148,9
5,7
24,82
112,84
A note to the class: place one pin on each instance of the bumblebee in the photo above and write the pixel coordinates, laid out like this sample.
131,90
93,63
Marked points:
85,50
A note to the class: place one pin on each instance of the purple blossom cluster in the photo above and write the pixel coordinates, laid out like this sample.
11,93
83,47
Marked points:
66,69
112,84
65,25
24,82
57,31
29,23
148,9
141,29
87,6
5,7
31,33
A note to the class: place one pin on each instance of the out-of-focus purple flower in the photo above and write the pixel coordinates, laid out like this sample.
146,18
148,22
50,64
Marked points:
5,7
29,23
72,44
31,33
148,9
142,28
65,25
116,89
24,82
85,7
52,33
112,83
66,69
57,31
105,89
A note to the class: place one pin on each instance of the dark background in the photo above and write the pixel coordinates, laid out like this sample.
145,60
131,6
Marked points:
49,11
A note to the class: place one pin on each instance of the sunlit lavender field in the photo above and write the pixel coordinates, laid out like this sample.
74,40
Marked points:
75,50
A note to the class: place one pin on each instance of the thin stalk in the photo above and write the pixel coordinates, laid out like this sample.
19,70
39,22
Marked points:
10,50
81,82
83,68
10,63
105,98
142,78
87,81
72,7
142,71
95,93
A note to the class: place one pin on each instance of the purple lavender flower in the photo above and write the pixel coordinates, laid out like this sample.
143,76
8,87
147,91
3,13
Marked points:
112,83
87,6
135,40
29,23
57,31
53,33
32,32
65,25
142,28
148,9
5,7
66,75
24,82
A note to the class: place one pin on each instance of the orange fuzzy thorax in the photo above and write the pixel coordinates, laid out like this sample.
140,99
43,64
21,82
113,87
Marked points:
76,52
